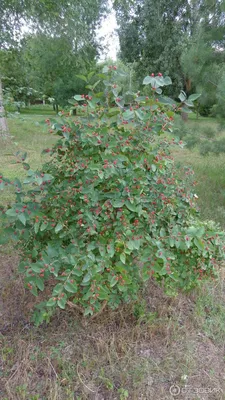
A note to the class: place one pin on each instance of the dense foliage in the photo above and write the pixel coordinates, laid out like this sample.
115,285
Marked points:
77,20
60,41
107,211
184,39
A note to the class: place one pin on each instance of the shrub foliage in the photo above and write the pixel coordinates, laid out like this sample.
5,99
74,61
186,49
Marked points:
107,212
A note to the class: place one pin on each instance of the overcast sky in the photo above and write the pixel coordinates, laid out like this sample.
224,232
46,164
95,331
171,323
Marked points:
107,29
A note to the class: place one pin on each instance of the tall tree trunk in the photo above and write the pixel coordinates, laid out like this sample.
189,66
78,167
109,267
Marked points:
3,123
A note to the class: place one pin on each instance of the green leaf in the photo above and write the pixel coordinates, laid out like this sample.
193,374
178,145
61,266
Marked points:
82,77
162,232
26,166
11,212
171,242
34,291
189,103
113,281
77,272
52,251
136,244
71,287
102,251
140,115
182,96
57,289
91,246
51,302
91,104
78,97
199,243
36,268
87,278
194,96
110,250
192,230
96,84
3,239
90,75
105,69
18,183
43,227
117,204
36,227
167,80
130,245
130,206
58,227
101,174
39,282
103,293
147,80
22,218
140,99
200,232
186,110
123,258
113,111
62,302
66,135
166,100
128,115
21,267
88,311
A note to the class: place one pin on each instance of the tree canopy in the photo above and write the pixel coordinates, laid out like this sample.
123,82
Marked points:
175,37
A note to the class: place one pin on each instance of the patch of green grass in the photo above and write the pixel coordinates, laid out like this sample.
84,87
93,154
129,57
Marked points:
29,134
193,117
209,172
210,176
210,310
34,110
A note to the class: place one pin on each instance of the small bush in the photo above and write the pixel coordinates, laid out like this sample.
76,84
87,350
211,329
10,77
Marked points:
108,211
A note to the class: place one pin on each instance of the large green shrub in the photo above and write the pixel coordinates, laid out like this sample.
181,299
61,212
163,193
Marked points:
107,212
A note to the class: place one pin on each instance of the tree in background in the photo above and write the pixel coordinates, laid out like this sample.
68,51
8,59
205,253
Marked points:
52,64
203,56
61,42
151,34
184,39
77,19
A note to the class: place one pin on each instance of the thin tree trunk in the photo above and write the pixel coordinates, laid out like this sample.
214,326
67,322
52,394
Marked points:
3,123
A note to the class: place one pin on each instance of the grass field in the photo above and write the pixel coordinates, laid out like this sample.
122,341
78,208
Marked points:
136,353
34,110
209,172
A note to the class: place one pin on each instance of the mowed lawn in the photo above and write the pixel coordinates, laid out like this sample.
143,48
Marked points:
149,351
